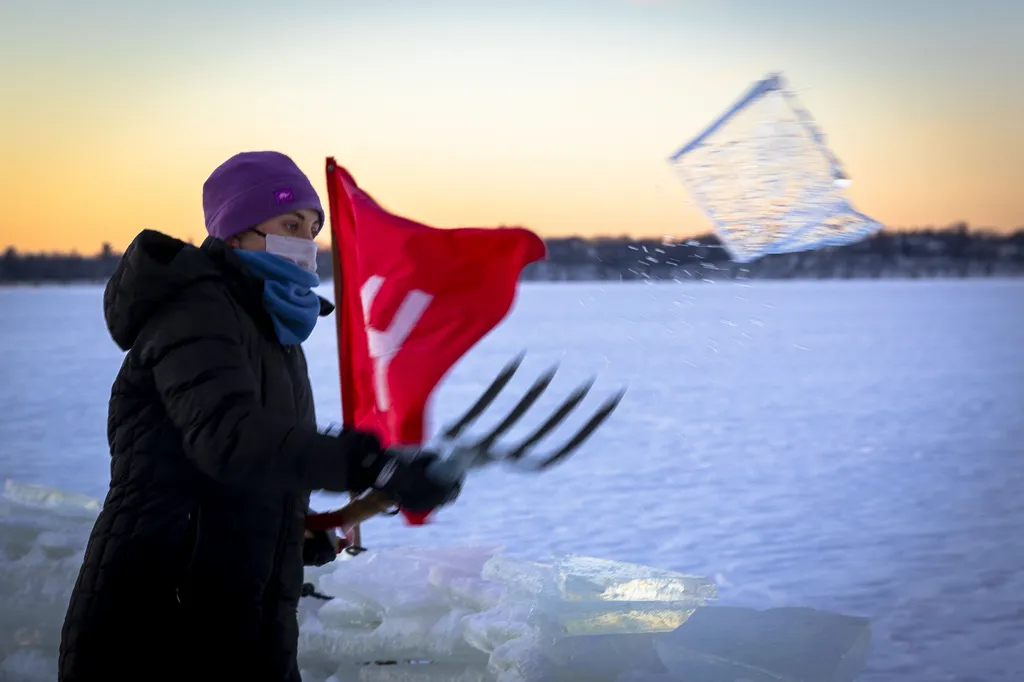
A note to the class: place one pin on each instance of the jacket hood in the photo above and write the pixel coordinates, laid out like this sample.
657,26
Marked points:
153,269
156,267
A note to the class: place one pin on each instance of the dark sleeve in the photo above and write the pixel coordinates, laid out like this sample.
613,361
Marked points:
201,371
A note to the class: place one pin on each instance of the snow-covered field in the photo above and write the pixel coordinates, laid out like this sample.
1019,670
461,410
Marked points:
851,446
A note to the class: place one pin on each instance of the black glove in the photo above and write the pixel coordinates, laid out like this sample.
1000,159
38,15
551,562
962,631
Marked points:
403,478
320,549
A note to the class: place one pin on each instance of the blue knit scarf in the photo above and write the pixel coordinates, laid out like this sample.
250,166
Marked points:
288,295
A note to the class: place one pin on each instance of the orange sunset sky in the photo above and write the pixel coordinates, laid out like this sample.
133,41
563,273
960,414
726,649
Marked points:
557,114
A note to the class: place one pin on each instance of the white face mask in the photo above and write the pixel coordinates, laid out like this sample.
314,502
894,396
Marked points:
302,252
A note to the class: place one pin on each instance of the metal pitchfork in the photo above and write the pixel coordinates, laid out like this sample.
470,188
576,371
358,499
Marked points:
463,457
459,458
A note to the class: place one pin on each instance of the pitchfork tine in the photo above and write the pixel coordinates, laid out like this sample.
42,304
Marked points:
595,421
518,411
485,399
556,418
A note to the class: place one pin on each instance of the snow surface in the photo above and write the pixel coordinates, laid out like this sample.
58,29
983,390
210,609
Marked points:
852,446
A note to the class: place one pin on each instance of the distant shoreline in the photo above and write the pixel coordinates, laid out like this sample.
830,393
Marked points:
951,253
1012,277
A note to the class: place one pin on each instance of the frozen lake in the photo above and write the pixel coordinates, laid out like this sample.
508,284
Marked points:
855,446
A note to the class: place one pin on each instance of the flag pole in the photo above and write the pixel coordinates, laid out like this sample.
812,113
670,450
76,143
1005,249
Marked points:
338,321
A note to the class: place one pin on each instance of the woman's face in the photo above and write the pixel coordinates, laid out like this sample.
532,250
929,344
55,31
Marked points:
302,224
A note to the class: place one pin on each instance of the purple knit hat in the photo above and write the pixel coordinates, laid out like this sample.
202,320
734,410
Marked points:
252,187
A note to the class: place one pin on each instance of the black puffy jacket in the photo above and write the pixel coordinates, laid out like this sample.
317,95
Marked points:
194,568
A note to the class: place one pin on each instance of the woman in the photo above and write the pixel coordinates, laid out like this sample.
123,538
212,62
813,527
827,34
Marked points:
194,568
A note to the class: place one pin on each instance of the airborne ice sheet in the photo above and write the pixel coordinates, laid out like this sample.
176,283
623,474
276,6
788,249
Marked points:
764,175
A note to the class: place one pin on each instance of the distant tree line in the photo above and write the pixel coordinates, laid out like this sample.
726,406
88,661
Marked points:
41,268
955,251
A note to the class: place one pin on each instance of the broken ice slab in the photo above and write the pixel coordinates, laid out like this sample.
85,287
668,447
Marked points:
396,638
474,593
724,644
402,671
585,578
387,583
600,657
49,498
347,612
580,578
479,615
595,618
43,533
575,595
528,578
28,665
778,645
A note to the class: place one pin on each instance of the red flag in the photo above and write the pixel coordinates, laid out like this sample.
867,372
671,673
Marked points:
414,299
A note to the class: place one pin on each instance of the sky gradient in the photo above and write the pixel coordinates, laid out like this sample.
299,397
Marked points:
553,114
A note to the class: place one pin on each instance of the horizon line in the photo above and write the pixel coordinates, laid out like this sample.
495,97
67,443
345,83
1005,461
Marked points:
981,229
